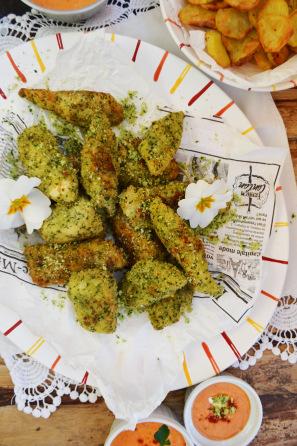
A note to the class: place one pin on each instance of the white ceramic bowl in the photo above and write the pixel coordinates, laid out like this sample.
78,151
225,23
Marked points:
244,437
161,415
71,15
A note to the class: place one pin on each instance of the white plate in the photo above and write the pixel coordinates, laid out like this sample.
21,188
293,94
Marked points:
180,36
182,86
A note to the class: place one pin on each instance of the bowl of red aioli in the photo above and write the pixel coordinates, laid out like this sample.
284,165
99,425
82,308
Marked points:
160,428
223,411
67,10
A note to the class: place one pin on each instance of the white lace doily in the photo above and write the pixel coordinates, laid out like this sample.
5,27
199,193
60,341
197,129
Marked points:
39,391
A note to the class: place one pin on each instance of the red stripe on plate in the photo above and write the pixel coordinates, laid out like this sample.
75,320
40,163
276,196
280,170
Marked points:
7,332
269,259
182,45
173,22
278,188
211,358
136,50
85,378
200,93
160,66
52,367
16,68
2,94
60,41
222,111
271,296
231,345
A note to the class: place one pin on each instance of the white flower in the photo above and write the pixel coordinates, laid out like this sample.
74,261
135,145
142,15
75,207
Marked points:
203,201
21,203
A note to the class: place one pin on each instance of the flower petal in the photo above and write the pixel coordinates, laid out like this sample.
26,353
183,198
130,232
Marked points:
35,213
186,208
8,221
207,216
23,186
196,189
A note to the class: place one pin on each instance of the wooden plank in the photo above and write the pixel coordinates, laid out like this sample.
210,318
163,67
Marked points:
285,95
287,110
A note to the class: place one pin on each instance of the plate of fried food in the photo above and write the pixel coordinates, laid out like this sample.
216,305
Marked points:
138,250
248,44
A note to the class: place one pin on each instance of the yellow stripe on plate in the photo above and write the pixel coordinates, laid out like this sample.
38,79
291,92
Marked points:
186,371
281,224
245,132
38,57
112,37
255,324
180,78
36,346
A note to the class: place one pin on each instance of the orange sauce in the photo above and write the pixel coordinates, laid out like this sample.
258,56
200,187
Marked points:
63,5
143,435
215,428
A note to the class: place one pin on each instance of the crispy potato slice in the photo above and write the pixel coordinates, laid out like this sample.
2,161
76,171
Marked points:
253,13
241,51
233,23
262,60
280,57
292,5
274,32
194,15
293,39
216,49
215,6
243,5
274,7
200,2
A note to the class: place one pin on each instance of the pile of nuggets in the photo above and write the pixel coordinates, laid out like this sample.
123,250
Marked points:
263,31
127,185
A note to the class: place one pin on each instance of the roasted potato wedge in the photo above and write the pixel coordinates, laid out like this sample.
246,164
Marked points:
194,15
200,2
274,7
233,23
215,6
241,51
293,39
292,5
274,32
277,59
216,49
243,5
262,60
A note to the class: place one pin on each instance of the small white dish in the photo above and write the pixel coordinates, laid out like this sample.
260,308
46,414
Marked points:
250,430
69,15
161,415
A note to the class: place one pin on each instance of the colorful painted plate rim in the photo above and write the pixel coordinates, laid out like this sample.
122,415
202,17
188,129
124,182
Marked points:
202,361
189,53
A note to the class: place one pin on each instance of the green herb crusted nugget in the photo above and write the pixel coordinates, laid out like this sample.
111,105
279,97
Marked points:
41,158
93,293
182,243
168,311
150,281
161,141
53,264
98,172
76,107
73,222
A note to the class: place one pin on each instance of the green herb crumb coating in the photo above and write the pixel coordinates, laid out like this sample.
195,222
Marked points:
41,157
150,281
98,173
168,311
93,293
161,141
133,169
76,107
139,243
54,263
72,222
182,243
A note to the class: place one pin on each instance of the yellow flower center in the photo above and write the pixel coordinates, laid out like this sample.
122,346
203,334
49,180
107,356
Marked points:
204,203
18,205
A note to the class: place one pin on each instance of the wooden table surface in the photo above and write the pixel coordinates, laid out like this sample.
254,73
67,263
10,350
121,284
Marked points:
78,424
